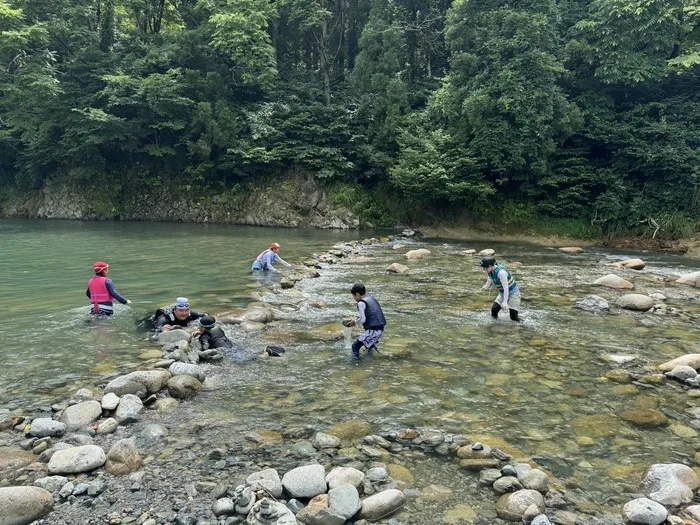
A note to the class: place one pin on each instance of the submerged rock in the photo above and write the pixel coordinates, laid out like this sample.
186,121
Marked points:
636,302
593,303
614,281
22,505
644,417
400,269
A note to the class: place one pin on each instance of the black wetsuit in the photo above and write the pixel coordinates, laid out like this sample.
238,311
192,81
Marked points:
163,318
215,338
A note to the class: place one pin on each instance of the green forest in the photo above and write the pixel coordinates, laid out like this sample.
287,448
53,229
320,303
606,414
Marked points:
552,110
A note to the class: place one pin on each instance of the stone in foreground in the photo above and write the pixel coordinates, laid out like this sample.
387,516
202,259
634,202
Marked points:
382,504
644,511
24,505
77,459
513,506
305,482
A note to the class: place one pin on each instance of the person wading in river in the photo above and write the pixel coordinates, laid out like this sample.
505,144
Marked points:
101,291
265,259
371,317
508,298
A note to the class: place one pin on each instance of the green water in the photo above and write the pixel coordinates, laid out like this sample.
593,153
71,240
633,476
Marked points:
536,389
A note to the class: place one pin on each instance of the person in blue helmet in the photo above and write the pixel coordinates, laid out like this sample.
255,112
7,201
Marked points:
264,261
508,298
177,315
370,316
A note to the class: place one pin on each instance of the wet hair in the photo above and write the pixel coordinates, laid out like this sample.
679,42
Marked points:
358,288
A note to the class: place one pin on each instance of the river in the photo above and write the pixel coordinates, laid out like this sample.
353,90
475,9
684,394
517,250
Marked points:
536,389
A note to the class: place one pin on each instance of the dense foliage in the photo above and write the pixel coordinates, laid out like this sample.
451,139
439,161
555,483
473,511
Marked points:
557,108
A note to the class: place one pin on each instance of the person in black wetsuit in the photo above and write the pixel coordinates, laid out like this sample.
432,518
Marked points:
210,335
175,315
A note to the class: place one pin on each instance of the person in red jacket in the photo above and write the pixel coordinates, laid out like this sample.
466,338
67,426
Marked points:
101,291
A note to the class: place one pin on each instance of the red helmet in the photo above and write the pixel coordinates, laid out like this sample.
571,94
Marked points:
100,266
275,246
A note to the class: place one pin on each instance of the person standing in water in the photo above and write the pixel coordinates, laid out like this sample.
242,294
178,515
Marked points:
508,298
101,291
370,316
265,259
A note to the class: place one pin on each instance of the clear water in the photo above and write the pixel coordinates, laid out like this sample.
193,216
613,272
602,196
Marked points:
536,389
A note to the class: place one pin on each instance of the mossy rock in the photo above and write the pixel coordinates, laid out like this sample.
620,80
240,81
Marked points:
350,430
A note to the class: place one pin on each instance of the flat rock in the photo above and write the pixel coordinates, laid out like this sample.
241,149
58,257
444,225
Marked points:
81,415
45,426
636,302
692,279
345,475
23,505
614,281
267,479
644,511
77,459
123,458
630,264
692,360
382,504
593,303
513,506
141,383
417,254
479,464
173,336
305,482
178,369
400,269
129,409
184,386
644,417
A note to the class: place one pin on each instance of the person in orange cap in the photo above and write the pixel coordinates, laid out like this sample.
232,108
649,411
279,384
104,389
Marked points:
265,259
101,291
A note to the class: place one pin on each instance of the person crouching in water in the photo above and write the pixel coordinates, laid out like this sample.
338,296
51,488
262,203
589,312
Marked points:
174,316
370,316
101,291
508,298
265,259
210,335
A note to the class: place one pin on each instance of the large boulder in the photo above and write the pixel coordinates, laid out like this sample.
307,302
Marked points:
24,505
636,302
123,458
644,511
692,279
184,386
513,506
141,383
77,459
593,303
196,371
614,281
45,426
382,504
692,360
670,484
129,409
267,479
630,264
417,254
305,482
81,415
400,269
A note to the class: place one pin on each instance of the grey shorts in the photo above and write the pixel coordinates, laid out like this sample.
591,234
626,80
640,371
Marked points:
513,300
370,338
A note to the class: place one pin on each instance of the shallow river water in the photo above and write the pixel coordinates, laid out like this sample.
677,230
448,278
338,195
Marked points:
536,389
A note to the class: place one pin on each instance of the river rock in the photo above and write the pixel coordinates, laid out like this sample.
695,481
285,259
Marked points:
507,484
267,479
315,515
173,336
344,500
251,326
322,440
535,479
693,512
13,459
382,504
129,409
123,458
467,452
479,464
259,315
571,249
268,512
51,483
417,254
692,279
223,507
631,264
593,303
141,383
184,386
110,401
81,415
636,302
344,475
541,519
682,373
45,426
77,459
671,484
108,426
178,369
614,281
487,252
644,511
692,360
23,505
401,269
513,506
644,417
305,482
